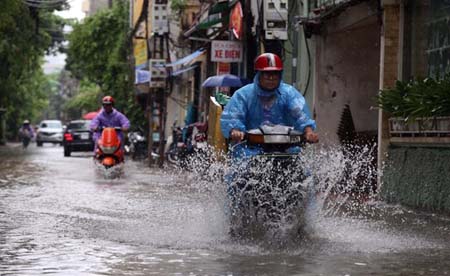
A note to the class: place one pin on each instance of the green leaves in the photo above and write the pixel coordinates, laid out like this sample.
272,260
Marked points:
98,49
178,5
98,53
417,98
23,85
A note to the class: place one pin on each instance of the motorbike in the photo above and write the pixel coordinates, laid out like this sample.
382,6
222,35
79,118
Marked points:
137,144
266,189
25,137
186,142
109,152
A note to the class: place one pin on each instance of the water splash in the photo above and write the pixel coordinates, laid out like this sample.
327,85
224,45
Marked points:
113,172
342,176
333,181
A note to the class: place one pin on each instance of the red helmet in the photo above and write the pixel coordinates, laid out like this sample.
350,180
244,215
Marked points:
108,100
268,62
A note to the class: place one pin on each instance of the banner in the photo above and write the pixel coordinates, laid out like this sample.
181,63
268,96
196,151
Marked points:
140,53
142,76
141,31
236,20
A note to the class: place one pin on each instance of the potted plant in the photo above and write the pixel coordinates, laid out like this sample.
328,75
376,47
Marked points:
420,106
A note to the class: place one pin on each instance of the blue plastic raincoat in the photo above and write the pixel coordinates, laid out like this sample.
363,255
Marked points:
251,106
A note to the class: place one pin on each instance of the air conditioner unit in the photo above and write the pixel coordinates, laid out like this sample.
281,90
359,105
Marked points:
158,72
160,22
276,19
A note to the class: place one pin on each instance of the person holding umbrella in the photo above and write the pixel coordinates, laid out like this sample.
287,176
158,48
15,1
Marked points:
268,100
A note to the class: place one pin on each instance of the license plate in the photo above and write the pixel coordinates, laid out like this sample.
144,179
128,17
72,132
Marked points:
84,135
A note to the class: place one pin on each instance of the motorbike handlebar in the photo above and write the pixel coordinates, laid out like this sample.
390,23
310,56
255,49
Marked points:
100,128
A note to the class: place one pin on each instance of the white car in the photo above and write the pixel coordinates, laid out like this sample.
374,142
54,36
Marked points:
49,131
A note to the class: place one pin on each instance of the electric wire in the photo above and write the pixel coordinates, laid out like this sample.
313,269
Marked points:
45,4
45,1
309,61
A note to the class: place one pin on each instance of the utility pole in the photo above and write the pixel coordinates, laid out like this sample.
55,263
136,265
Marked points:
158,95
150,107
163,110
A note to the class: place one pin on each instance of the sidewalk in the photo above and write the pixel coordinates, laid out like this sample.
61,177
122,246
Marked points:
11,145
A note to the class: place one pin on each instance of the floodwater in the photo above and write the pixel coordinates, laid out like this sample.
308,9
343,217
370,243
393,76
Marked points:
61,216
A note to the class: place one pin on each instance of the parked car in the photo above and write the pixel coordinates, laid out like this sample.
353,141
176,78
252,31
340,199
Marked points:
49,131
78,137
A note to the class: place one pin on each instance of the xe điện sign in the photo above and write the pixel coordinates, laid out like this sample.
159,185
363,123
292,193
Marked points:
226,51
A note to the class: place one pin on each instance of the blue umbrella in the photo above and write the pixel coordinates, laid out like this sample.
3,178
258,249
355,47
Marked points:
226,80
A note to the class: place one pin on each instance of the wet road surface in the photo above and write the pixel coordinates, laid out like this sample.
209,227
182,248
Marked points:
60,216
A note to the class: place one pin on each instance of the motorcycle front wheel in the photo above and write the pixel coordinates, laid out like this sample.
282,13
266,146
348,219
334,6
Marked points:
172,157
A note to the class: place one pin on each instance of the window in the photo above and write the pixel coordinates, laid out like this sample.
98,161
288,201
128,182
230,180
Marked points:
426,49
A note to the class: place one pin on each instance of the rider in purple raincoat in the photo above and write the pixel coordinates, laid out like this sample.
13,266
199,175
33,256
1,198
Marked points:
26,130
109,117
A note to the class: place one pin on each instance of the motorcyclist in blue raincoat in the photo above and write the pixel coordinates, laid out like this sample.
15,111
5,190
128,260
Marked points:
268,100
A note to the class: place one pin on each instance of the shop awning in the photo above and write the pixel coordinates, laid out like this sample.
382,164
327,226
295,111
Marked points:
186,59
181,71
219,7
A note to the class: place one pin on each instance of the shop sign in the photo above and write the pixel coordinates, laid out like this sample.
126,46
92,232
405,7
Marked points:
223,68
226,51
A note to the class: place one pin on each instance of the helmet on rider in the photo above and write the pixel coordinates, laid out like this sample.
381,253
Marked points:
108,100
26,122
108,103
268,62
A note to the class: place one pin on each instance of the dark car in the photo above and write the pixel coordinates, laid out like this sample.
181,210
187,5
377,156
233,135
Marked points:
78,137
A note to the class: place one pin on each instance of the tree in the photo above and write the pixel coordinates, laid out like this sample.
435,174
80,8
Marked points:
26,34
98,53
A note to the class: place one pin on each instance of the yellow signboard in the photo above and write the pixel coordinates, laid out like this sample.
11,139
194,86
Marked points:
140,52
137,9
141,30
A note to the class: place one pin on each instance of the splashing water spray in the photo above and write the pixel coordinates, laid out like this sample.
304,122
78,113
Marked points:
279,199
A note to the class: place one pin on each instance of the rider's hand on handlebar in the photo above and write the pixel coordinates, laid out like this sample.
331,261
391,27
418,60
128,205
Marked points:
237,135
311,136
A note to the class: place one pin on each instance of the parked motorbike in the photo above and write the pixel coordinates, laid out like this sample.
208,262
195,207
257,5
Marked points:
187,141
137,145
266,189
109,152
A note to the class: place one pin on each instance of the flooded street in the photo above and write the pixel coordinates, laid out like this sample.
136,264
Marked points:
59,215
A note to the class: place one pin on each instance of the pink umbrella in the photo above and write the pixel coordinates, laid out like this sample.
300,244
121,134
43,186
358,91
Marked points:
90,115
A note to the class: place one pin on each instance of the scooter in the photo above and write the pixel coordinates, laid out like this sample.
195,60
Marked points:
137,145
266,189
109,152
191,139
177,149
25,136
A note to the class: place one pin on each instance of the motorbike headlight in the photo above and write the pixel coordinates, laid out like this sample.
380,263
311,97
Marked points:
108,150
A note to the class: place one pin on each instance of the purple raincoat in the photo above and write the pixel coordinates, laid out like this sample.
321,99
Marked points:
114,119
27,129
